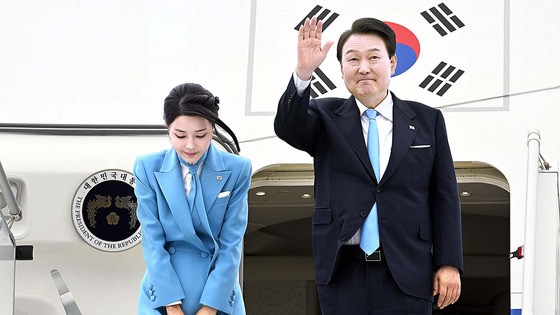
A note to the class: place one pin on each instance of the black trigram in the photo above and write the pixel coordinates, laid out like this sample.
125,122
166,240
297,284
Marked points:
442,15
324,13
320,84
443,73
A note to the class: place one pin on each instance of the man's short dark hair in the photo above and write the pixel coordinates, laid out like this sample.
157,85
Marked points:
369,26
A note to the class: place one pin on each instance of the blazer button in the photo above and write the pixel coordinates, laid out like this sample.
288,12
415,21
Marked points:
153,298
378,189
171,250
363,214
204,254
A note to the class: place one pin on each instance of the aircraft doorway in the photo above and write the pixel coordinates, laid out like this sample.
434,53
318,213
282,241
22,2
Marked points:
278,259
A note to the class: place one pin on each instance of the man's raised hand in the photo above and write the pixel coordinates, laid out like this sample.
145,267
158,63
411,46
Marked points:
310,53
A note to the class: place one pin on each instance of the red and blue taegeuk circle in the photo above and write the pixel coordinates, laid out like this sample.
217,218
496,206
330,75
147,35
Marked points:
408,48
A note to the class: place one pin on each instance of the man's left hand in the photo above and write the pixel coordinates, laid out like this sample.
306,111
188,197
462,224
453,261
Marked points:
448,284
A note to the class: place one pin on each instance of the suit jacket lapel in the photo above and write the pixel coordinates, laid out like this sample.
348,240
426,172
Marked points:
213,177
212,180
348,121
170,180
403,135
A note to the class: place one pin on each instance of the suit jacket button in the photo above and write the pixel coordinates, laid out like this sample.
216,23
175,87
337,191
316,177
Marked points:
153,298
363,214
378,189
204,254
171,250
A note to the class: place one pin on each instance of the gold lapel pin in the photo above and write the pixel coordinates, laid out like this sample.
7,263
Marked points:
411,127
219,177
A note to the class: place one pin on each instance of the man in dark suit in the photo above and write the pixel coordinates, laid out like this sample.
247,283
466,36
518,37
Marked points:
386,223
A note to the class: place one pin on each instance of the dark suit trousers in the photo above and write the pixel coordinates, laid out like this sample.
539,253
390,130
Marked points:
366,288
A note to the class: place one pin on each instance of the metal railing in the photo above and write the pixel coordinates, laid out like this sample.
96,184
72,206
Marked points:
542,238
66,296
7,198
533,144
7,246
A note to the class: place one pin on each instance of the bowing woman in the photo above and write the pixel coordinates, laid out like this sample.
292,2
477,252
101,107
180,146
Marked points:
192,204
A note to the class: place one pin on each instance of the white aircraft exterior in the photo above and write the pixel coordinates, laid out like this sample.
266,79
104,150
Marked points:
82,91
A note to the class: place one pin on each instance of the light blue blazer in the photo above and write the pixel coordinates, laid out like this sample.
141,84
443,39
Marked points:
179,264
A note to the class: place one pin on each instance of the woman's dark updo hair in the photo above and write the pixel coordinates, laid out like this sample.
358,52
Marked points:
192,99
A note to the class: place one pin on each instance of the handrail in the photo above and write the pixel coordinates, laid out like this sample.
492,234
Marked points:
13,207
533,144
7,263
8,268
66,296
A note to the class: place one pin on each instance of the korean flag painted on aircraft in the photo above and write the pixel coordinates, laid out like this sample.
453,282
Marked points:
449,54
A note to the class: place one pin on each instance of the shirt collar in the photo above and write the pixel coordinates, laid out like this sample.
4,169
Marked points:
185,169
385,108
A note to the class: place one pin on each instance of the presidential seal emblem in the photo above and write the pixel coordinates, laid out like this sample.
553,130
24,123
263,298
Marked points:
104,211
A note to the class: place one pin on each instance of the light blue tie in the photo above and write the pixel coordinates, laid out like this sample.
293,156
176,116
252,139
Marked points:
369,239
193,169
193,197
196,191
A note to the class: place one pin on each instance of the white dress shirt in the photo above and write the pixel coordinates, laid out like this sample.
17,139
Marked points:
384,127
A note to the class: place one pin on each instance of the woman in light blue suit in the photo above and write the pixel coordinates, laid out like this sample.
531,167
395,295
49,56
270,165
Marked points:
192,204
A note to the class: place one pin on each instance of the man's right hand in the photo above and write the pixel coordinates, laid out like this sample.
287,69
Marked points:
310,53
